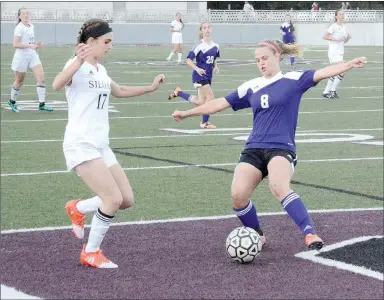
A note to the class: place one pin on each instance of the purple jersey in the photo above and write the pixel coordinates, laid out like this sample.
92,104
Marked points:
275,104
288,37
205,56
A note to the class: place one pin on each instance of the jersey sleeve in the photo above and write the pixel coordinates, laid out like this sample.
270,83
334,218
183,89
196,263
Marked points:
218,52
194,51
305,81
331,29
239,99
173,24
18,31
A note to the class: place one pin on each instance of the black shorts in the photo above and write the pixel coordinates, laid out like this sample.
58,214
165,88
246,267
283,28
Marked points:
260,158
201,83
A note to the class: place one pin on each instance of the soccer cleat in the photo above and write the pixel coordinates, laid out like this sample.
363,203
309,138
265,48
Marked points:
13,106
327,96
46,108
313,242
334,95
96,260
207,125
174,93
76,217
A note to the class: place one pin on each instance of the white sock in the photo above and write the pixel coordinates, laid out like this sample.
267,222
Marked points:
41,92
14,94
171,54
89,205
329,85
338,79
99,227
179,55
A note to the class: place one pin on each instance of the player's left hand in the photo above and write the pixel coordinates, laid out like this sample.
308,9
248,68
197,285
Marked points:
40,44
216,70
359,62
159,79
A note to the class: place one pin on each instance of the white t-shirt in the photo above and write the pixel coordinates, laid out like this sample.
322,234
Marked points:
27,36
88,101
337,31
176,25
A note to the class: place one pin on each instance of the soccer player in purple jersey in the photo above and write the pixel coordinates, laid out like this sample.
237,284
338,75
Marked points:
270,148
287,31
205,53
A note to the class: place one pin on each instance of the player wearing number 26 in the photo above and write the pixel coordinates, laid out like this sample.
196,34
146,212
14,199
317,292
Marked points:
270,149
86,141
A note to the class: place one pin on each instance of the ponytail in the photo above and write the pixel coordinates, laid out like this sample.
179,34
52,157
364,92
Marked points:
18,15
283,49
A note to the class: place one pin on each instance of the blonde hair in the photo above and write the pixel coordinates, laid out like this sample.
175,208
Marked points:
201,26
283,49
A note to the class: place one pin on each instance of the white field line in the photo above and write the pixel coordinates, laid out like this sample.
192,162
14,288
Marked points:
194,166
191,219
313,256
193,135
169,116
11,293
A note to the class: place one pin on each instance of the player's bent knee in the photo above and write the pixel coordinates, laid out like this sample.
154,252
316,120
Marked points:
239,198
279,190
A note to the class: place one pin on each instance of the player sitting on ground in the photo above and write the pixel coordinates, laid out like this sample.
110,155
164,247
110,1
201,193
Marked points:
270,148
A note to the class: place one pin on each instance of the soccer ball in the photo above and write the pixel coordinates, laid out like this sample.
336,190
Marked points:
243,244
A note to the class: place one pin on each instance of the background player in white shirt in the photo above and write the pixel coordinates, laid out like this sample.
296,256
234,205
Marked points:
25,58
177,27
337,35
86,141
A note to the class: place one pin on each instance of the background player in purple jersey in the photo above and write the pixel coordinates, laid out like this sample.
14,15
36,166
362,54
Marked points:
270,149
287,31
205,53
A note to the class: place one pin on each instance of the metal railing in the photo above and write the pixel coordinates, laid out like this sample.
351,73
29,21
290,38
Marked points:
193,16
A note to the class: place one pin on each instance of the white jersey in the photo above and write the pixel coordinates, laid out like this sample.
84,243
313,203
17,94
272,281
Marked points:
176,25
337,31
27,36
88,101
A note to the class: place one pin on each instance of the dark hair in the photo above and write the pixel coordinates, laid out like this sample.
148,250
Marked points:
87,27
181,21
284,49
18,14
291,28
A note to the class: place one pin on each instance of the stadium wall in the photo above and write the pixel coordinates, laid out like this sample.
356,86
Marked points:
363,34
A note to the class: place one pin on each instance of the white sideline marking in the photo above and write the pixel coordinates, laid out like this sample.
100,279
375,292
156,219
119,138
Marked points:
170,116
11,293
191,219
374,143
195,166
312,256
188,133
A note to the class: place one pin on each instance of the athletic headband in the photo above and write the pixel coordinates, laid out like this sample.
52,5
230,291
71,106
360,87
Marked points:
97,31
273,47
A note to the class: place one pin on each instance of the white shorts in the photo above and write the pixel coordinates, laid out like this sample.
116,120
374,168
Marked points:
21,63
177,38
335,58
77,154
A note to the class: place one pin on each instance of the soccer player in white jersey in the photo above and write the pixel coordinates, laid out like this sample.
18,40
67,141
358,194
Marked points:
177,27
270,149
86,141
337,35
26,57
205,53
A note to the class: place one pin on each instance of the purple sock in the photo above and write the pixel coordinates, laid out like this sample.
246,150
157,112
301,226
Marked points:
248,216
205,118
292,59
183,95
298,213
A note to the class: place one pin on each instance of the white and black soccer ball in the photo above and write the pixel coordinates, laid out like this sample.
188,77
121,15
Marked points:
243,244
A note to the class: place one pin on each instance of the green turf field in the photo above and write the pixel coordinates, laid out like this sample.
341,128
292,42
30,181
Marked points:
161,164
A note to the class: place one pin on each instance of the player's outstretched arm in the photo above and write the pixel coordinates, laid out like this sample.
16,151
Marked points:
334,70
209,108
133,91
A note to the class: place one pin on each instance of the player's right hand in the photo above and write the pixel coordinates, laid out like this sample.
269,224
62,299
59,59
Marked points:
83,51
359,62
179,115
201,72
34,46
